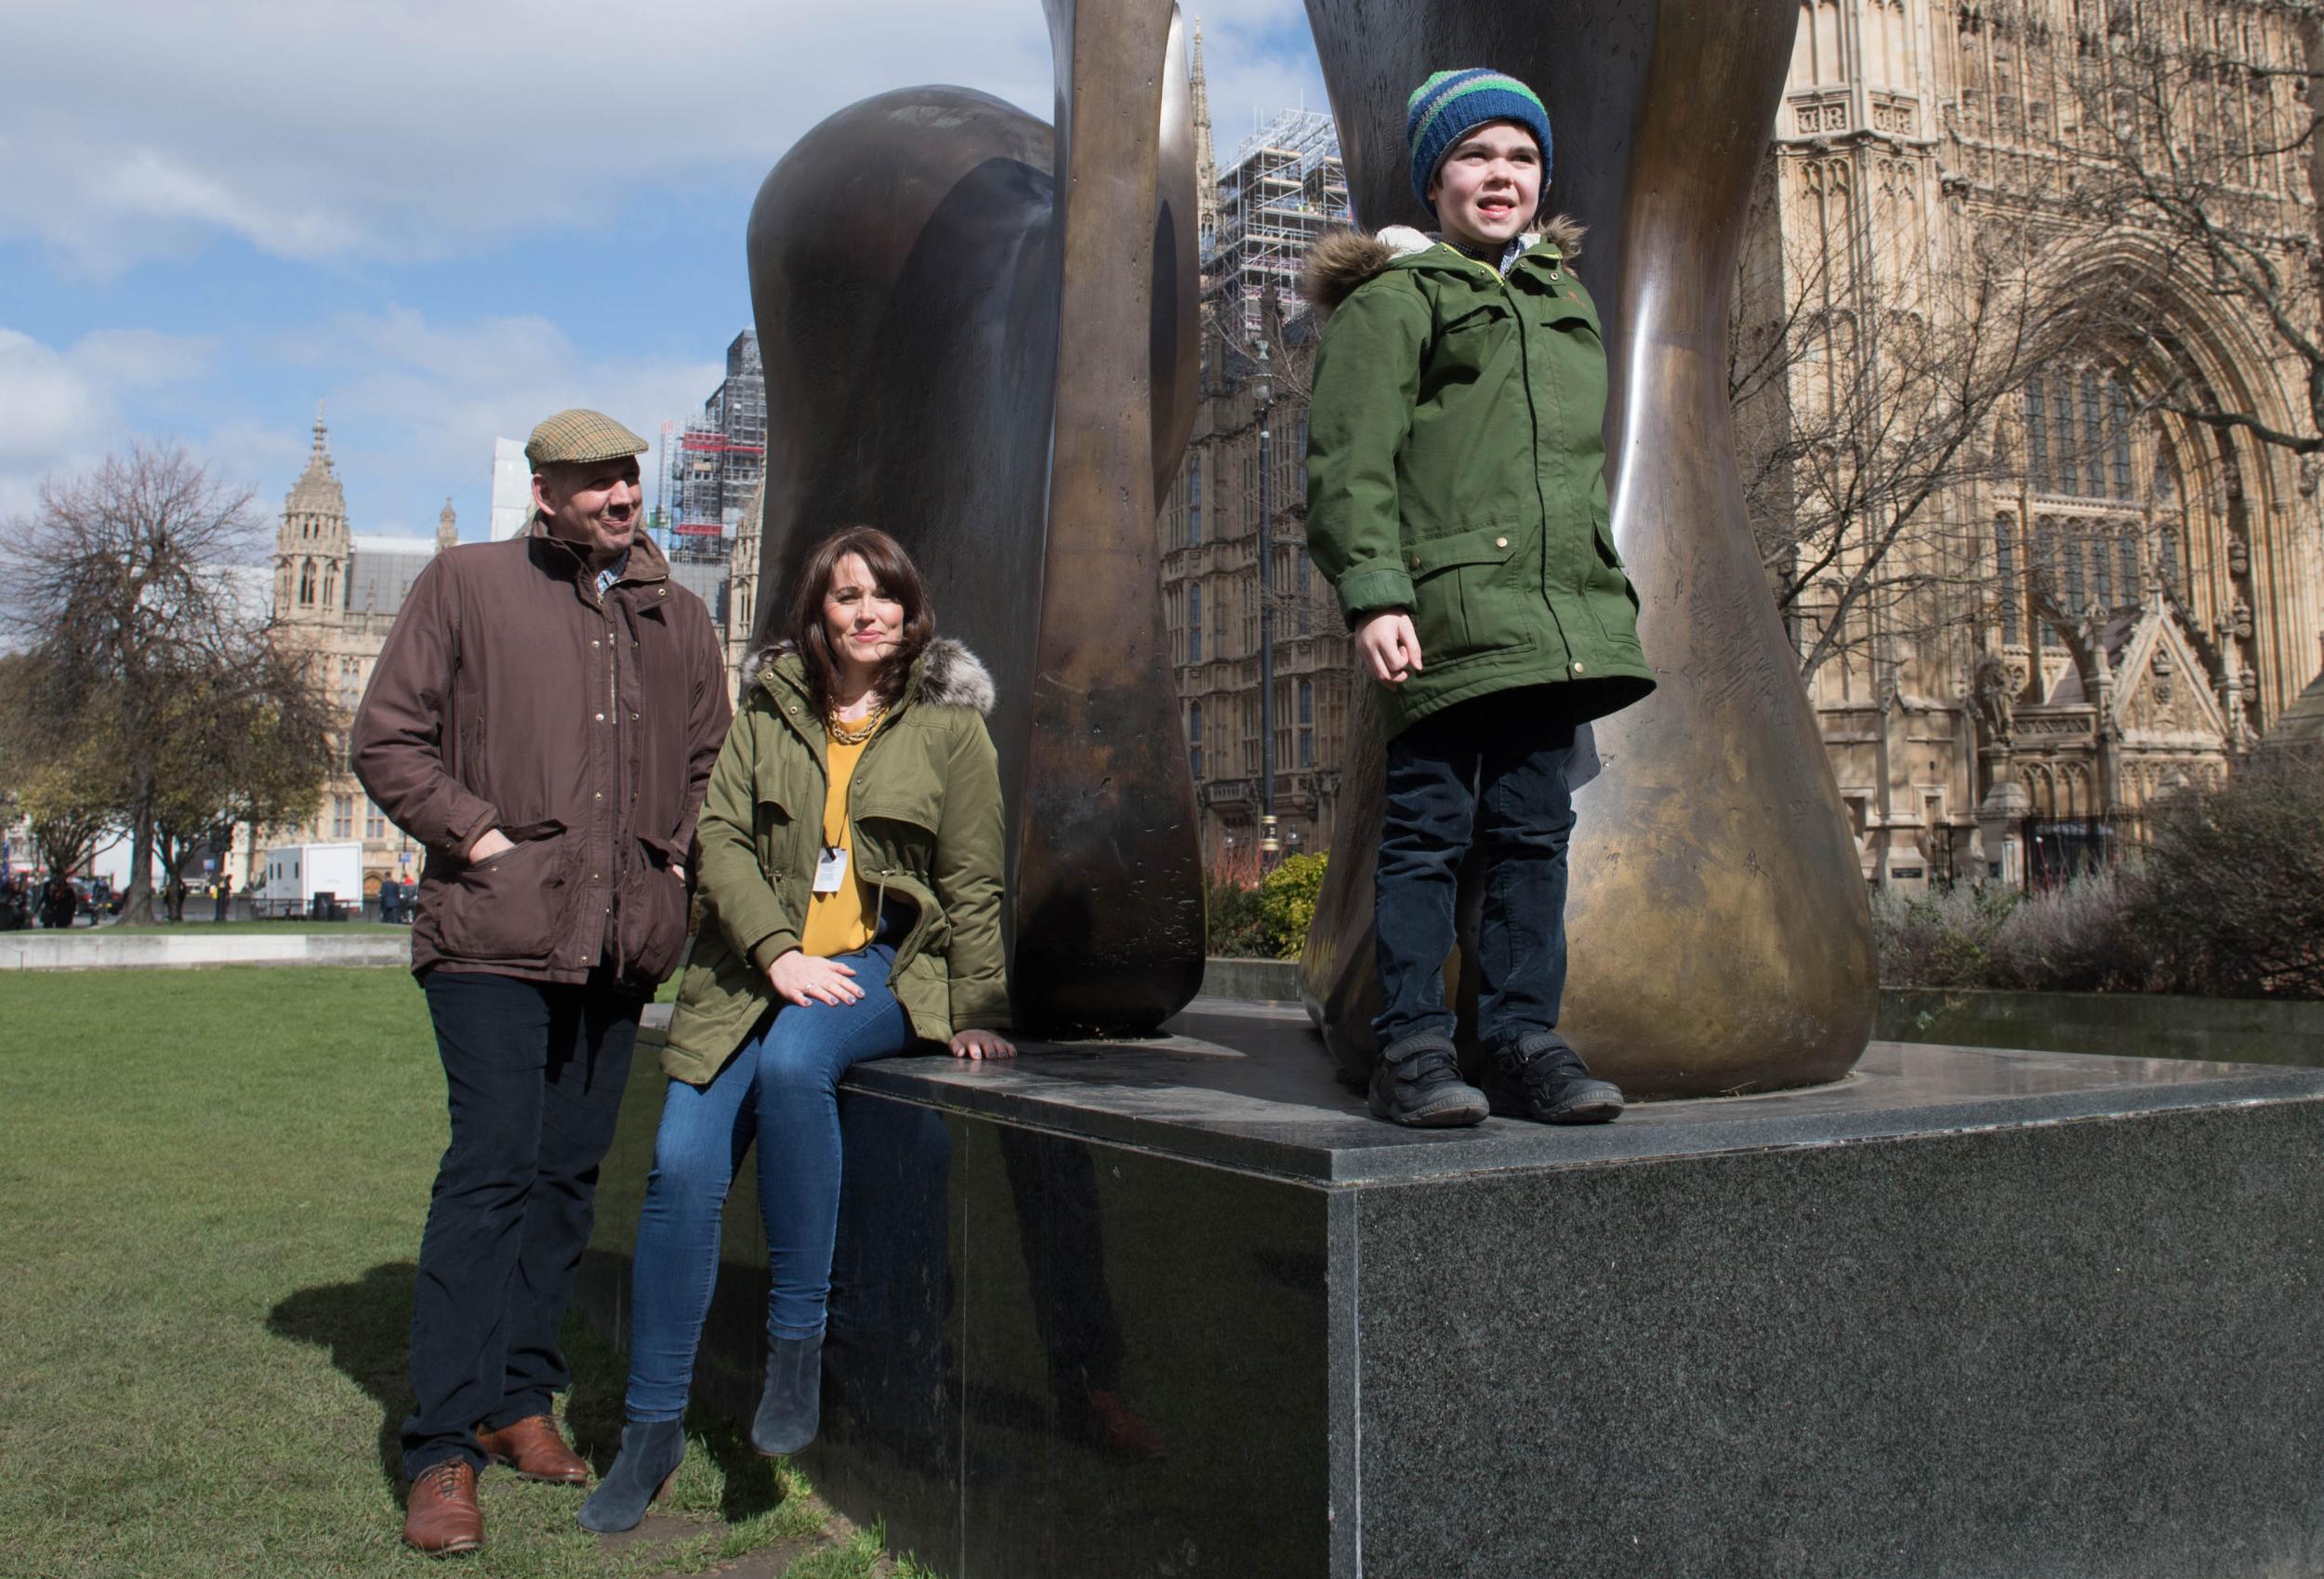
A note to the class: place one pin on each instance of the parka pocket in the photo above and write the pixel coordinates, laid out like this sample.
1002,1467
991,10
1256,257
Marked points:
1463,604
654,908
510,905
905,825
1609,572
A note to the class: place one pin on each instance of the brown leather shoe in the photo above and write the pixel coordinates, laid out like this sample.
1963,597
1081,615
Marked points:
440,1515
534,1450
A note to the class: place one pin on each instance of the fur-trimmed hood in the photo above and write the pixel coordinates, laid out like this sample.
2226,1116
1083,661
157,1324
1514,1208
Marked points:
1342,259
947,674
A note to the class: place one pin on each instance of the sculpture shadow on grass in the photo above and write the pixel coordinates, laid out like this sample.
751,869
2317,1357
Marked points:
365,1327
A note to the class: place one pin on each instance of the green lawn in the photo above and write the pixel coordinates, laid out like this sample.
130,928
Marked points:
213,1184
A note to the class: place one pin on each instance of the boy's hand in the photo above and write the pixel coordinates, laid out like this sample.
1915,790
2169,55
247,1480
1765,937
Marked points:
1389,645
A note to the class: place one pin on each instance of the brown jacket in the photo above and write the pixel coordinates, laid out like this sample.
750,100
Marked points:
508,697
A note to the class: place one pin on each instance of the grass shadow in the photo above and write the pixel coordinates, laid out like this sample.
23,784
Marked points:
365,1325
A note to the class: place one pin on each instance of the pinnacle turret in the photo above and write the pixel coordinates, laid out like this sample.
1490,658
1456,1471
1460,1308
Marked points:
1205,156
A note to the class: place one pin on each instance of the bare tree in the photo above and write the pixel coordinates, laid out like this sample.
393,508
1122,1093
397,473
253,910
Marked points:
1864,404
248,745
2206,136
123,593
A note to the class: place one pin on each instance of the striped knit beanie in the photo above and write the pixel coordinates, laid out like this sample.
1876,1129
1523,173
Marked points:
1452,104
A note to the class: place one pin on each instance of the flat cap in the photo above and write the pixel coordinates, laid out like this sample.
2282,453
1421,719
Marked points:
578,436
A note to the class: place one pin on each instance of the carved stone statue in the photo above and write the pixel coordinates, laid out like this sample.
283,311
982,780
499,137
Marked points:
1994,691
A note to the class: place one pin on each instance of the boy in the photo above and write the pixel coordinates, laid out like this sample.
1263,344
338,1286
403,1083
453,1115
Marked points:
1457,502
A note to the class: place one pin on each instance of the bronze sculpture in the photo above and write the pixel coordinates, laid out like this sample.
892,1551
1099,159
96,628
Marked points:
914,381
1721,933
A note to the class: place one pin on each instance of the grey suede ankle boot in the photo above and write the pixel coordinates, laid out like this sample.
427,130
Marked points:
791,1407
650,1452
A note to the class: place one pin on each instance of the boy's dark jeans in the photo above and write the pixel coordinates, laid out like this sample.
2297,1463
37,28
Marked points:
1492,769
534,1071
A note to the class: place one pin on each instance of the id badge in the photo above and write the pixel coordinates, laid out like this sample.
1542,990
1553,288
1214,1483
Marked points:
831,870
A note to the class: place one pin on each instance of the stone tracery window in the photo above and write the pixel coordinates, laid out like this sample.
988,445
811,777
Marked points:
2077,433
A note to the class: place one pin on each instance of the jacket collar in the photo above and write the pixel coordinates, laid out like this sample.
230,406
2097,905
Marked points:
946,675
647,562
1343,259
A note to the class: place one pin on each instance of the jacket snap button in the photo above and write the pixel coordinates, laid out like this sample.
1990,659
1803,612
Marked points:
598,795
1500,541
1416,561
1577,668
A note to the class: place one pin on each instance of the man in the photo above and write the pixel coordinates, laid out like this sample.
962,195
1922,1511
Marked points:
543,720
57,902
225,896
391,899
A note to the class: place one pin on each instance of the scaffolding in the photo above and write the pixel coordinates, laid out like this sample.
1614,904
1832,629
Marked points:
717,459
1282,189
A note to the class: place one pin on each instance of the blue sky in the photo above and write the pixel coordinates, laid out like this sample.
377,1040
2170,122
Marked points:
443,219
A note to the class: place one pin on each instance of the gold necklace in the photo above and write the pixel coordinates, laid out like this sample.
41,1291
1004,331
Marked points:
844,736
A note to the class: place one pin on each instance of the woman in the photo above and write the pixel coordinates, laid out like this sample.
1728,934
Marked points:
850,906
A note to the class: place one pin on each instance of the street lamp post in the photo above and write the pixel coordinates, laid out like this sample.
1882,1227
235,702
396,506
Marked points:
1263,394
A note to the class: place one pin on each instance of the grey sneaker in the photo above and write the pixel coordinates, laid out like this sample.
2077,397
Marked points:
1418,1083
1543,1079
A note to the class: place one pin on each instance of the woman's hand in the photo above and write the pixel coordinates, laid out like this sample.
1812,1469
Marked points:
1389,645
980,1045
803,978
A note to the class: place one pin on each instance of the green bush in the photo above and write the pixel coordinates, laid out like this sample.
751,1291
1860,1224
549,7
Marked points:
1286,901
1234,926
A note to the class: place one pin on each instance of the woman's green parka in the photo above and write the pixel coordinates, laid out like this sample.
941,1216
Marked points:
1455,468
924,812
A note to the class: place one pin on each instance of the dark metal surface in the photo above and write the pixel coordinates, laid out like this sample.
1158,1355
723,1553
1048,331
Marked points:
912,274
1108,878
1721,934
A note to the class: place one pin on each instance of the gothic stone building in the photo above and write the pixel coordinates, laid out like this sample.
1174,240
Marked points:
2116,600
336,595
1212,600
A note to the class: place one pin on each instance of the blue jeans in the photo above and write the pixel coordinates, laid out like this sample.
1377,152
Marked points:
1493,770
782,1088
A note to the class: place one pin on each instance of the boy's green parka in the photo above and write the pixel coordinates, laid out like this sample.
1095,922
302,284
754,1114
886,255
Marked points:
1455,468
925,818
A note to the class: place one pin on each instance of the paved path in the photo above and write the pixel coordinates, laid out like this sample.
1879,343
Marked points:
100,950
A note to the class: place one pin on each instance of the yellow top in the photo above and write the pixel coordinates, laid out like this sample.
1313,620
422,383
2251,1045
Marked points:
842,922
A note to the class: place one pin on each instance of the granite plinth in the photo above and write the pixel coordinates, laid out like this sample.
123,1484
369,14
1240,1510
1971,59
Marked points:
1182,1308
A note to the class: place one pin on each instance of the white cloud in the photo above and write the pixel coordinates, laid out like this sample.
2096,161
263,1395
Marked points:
415,403
62,409
413,130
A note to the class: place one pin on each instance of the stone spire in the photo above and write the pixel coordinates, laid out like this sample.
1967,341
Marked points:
1206,157
447,528
312,549
317,492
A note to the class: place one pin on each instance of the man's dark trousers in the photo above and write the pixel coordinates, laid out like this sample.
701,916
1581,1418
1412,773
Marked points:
1492,769
534,1073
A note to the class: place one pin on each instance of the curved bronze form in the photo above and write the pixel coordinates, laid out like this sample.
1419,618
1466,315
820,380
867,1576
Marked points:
1721,934
912,274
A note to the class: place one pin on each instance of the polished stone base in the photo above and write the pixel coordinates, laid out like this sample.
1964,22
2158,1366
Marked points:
1183,1309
